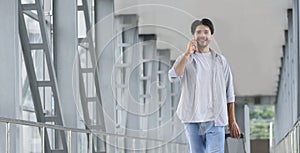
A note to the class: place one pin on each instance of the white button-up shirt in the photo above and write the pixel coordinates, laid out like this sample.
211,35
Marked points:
191,107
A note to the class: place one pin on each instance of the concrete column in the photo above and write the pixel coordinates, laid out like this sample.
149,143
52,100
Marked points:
65,48
284,108
104,28
292,94
148,88
164,93
297,26
125,59
105,55
297,62
10,98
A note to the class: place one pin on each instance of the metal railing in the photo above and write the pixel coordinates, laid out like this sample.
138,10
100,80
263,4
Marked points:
291,142
43,128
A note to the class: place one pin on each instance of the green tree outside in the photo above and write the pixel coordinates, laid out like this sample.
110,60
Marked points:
260,118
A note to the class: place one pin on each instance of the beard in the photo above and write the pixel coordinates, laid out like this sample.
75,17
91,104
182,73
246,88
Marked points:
200,46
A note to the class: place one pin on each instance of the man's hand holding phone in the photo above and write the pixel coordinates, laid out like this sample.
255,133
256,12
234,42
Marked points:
192,47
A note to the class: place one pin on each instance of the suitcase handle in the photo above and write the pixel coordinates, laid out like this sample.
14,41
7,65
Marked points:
228,135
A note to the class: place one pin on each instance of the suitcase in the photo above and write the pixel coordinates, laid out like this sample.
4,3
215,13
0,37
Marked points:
235,145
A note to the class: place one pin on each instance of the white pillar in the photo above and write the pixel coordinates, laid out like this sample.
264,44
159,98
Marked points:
10,98
65,48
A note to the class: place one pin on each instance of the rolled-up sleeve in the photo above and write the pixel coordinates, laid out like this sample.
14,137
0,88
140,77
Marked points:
173,76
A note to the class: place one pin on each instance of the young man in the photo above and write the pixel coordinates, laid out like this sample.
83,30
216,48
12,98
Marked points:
206,104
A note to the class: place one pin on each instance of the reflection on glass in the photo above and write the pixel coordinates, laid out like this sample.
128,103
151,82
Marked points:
47,100
33,29
30,138
40,65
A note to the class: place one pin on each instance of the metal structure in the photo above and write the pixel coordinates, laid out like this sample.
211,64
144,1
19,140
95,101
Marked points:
89,83
45,85
126,38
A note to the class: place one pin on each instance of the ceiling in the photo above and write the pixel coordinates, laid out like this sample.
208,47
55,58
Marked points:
249,33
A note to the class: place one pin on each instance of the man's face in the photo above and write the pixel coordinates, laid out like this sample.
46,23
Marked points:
203,35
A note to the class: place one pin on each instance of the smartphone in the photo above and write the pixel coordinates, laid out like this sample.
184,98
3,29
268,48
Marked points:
194,48
198,44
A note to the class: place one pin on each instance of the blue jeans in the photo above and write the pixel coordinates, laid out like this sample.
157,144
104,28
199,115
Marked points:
205,135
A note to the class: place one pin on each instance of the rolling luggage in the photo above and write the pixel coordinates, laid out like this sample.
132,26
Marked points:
235,145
